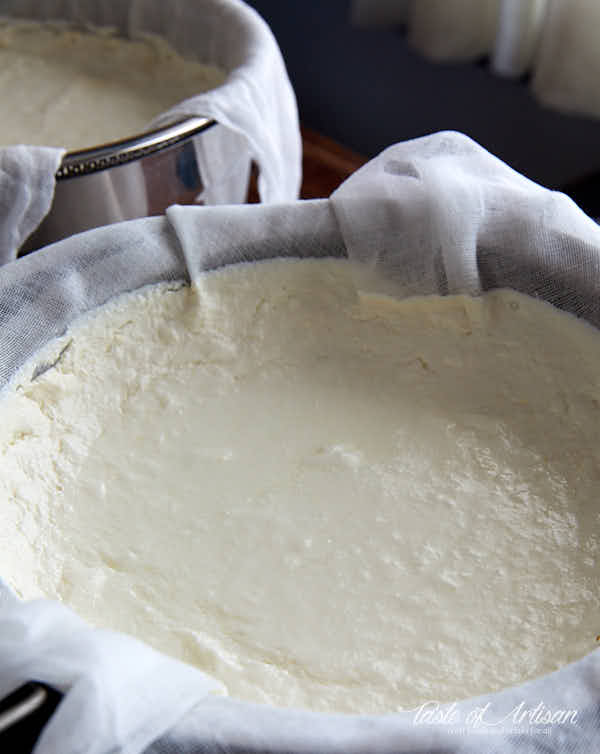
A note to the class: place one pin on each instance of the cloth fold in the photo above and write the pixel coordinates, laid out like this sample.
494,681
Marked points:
116,688
26,192
442,214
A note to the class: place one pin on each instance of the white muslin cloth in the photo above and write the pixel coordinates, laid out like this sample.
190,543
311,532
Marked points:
256,104
441,214
26,191
435,215
115,684
553,40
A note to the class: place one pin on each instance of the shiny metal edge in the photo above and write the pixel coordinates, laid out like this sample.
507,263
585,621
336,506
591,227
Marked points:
23,709
94,159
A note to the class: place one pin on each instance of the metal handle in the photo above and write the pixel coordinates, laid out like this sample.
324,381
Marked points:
23,715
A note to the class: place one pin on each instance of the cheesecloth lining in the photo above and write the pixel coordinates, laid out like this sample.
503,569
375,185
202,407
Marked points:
256,105
435,215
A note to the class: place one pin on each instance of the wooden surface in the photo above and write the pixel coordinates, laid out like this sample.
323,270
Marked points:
325,164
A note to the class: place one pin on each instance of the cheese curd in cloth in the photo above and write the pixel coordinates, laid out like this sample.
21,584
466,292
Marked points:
67,87
348,504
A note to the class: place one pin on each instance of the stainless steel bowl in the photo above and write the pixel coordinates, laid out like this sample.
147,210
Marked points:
123,180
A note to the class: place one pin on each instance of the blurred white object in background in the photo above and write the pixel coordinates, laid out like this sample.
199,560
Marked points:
381,13
553,40
520,24
566,72
453,29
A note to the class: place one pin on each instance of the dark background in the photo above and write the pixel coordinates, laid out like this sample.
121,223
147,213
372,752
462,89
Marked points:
367,89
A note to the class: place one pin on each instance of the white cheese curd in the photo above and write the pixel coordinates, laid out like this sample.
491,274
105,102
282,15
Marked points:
346,504
64,87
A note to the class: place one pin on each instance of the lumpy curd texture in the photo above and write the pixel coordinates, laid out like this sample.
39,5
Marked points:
65,87
346,504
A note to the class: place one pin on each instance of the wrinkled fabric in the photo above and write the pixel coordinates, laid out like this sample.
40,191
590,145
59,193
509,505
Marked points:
121,694
26,192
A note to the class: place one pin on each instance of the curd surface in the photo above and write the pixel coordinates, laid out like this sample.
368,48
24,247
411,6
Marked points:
65,87
348,504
